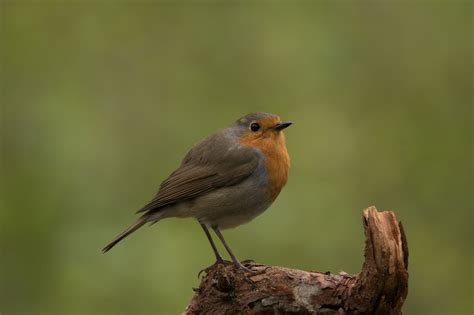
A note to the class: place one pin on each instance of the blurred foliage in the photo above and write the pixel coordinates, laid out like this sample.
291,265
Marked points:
101,100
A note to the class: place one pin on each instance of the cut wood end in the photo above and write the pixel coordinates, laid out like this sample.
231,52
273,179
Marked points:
384,233
384,272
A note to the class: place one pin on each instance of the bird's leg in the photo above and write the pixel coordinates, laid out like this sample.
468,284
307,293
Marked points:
234,259
219,259
214,248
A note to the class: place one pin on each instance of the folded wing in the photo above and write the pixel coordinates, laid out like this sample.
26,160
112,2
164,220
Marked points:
204,168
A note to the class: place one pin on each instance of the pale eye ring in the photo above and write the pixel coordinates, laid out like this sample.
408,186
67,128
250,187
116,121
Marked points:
254,127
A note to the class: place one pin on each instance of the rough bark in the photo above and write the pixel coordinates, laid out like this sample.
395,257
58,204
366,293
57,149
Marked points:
380,288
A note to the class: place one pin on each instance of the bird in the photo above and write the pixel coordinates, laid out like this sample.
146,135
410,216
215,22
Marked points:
224,181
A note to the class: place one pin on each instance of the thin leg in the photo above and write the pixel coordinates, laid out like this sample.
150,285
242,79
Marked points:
214,248
234,259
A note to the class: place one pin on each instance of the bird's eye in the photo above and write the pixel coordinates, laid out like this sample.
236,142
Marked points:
254,127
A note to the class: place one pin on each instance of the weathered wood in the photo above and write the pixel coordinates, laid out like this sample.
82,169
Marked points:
380,288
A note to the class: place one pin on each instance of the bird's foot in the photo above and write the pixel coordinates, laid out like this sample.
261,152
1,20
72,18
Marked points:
218,262
254,267
245,265
250,263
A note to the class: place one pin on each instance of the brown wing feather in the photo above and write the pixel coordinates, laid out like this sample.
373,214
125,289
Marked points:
203,171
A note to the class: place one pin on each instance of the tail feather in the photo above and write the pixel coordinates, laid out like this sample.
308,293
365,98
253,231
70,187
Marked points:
132,228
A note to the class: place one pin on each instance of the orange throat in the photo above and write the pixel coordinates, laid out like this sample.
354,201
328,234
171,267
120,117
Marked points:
277,160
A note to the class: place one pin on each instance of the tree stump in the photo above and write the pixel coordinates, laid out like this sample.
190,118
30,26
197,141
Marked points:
380,288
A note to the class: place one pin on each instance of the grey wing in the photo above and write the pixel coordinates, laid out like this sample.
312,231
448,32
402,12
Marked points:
202,171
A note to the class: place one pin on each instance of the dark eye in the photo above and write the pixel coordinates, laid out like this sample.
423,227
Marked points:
254,126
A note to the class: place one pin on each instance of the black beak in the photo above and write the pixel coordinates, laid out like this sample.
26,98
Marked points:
282,125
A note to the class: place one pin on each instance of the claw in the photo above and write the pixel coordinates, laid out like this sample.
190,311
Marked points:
218,262
246,262
243,266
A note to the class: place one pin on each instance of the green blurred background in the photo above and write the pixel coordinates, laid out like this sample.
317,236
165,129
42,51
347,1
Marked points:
100,101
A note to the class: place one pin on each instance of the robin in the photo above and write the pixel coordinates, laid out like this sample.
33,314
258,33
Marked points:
225,180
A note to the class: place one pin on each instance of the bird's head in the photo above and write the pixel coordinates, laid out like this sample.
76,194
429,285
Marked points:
260,128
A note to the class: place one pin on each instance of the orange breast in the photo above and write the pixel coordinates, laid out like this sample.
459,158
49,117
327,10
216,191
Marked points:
277,160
